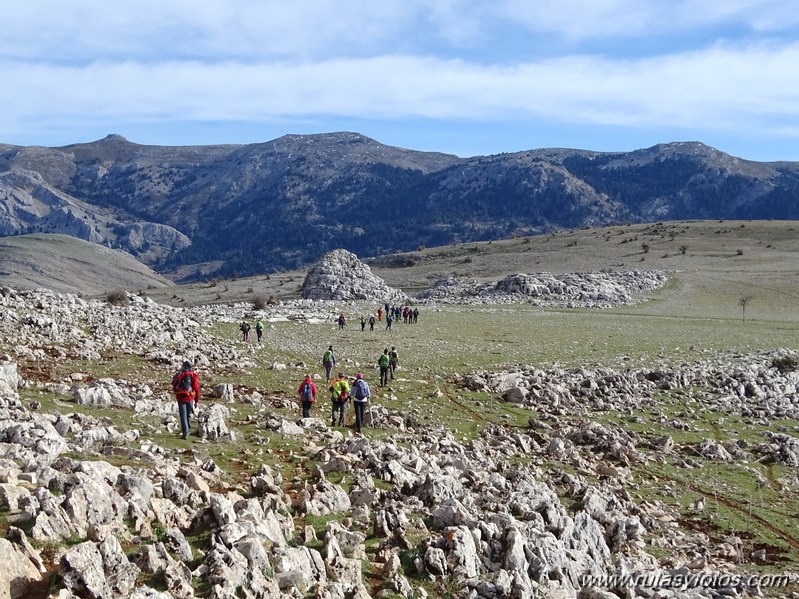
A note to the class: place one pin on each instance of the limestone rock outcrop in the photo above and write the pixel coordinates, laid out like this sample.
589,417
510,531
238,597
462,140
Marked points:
340,275
574,290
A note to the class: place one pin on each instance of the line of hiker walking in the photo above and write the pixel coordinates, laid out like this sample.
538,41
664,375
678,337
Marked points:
392,314
185,384
343,392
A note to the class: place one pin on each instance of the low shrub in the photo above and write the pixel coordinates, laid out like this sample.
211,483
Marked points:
785,363
117,297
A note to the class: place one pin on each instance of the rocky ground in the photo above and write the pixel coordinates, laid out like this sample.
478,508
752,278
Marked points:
98,500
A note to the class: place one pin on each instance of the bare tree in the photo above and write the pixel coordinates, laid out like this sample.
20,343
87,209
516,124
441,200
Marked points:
742,302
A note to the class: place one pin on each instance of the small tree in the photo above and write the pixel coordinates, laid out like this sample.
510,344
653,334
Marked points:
645,248
742,302
683,249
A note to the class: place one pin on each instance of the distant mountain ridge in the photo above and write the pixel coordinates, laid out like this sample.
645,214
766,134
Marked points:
257,208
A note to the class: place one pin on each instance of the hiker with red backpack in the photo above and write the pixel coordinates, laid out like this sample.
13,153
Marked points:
307,393
186,385
340,398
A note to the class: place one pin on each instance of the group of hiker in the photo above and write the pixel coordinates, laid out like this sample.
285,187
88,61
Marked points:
392,314
341,392
186,384
245,329
407,314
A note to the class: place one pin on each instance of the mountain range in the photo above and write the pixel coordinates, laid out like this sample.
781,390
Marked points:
197,212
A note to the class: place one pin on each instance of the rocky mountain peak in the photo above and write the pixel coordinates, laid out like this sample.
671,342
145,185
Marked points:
114,138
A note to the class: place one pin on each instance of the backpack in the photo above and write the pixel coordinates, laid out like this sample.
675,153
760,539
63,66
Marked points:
328,357
307,392
184,382
358,390
383,361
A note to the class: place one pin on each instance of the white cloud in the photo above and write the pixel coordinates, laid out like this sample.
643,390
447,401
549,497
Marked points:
84,31
95,29
719,87
601,19
83,62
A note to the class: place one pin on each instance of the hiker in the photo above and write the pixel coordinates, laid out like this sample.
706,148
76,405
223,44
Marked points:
244,327
389,320
328,361
393,361
415,315
307,393
363,323
371,323
360,394
341,322
186,385
380,314
340,397
384,362
259,329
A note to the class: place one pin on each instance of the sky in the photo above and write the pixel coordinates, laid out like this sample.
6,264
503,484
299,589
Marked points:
466,77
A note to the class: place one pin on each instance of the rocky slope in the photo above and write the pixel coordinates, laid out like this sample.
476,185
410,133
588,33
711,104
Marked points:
69,265
549,509
571,290
281,204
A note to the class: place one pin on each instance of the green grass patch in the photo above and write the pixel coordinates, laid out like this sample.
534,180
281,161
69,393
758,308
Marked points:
735,502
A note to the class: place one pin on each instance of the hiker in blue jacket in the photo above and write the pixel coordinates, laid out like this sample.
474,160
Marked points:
307,393
360,394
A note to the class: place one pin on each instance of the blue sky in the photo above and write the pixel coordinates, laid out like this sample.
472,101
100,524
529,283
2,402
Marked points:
468,77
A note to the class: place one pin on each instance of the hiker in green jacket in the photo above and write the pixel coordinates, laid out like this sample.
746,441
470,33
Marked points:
340,397
384,362
259,330
328,361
